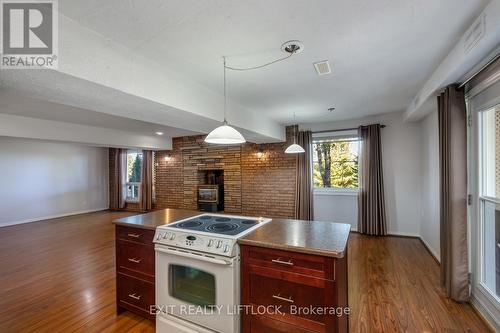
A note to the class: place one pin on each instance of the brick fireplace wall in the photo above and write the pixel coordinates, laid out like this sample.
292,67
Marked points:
268,182
253,185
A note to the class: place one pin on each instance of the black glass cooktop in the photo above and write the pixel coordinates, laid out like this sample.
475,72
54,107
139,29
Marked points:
217,224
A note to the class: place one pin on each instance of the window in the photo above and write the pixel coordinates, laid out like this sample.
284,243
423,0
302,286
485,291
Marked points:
489,199
133,180
335,162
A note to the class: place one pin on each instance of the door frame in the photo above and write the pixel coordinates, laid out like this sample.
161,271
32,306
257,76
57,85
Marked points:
485,303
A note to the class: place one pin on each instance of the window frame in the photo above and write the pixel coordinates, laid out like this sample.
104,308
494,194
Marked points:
336,136
126,183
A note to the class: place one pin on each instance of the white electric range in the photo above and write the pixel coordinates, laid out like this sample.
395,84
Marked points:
198,273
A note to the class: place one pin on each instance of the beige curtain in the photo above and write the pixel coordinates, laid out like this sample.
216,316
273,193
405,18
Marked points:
146,202
371,198
304,181
453,189
116,191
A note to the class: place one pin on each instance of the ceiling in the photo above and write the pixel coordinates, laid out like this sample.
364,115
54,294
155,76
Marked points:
156,65
381,52
16,104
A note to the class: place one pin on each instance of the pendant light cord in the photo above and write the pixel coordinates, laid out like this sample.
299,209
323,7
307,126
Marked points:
225,95
294,130
257,67
247,69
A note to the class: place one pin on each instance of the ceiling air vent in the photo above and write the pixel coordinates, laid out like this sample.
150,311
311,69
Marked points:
322,67
474,33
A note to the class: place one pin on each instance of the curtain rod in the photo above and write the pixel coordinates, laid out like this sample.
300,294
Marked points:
341,130
479,71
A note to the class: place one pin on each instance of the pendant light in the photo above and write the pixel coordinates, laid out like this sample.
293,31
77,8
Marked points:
294,148
225,134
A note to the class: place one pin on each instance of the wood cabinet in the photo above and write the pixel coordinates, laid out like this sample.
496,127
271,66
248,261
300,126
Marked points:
308,290
135,270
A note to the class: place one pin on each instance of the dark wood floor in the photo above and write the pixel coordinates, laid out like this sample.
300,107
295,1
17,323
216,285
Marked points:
59,276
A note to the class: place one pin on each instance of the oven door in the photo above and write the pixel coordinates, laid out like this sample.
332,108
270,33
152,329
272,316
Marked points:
202,290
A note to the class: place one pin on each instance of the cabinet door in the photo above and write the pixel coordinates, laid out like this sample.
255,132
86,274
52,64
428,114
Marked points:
139,235
135,257
265,325
288,296
135,295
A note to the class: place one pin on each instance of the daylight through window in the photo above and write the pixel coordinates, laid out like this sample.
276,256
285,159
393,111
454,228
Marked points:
134,169
335,163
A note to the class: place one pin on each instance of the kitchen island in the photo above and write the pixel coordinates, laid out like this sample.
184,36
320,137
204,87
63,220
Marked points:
297,266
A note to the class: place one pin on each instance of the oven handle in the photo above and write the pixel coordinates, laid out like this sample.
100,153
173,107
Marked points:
194,256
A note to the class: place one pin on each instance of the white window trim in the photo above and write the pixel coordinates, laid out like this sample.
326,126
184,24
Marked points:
133,200
336,191
335,135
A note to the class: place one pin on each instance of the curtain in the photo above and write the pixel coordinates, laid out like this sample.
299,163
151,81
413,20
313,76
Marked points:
146,201
304,179
453,189
371,198
117,165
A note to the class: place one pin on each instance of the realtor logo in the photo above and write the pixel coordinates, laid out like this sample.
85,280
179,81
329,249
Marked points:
28,33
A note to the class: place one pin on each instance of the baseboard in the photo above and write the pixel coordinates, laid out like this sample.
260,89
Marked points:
50,217
403,234
412,235
485,315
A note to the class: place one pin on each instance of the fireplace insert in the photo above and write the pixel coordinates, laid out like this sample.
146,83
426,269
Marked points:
208,194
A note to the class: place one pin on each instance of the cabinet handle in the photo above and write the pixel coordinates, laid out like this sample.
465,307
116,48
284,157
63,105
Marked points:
281,262
135,261
289,300
134,235
134,296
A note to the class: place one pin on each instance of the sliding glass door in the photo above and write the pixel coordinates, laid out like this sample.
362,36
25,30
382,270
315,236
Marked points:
489,198
484,112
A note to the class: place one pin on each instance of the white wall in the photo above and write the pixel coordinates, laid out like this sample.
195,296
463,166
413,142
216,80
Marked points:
401,163
429,227
40,180
340,208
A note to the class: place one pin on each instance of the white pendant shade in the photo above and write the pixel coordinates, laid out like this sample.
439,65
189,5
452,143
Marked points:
294,149
225,135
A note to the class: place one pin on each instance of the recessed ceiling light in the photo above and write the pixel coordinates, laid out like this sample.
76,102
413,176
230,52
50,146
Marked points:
159,133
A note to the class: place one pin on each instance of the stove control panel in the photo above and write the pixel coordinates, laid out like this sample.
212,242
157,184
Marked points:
195,242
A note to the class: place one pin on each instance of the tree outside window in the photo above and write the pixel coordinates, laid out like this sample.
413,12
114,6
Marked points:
134,169
335,163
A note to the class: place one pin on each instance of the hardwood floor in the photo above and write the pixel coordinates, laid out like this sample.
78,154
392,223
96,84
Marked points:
394,287
59,276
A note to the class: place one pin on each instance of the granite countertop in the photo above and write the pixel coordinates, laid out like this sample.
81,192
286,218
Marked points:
156,218
310,237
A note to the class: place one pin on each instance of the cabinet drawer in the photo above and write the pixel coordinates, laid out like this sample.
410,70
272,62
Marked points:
314,266
138,235
289,296
267,325
136,257
134,292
